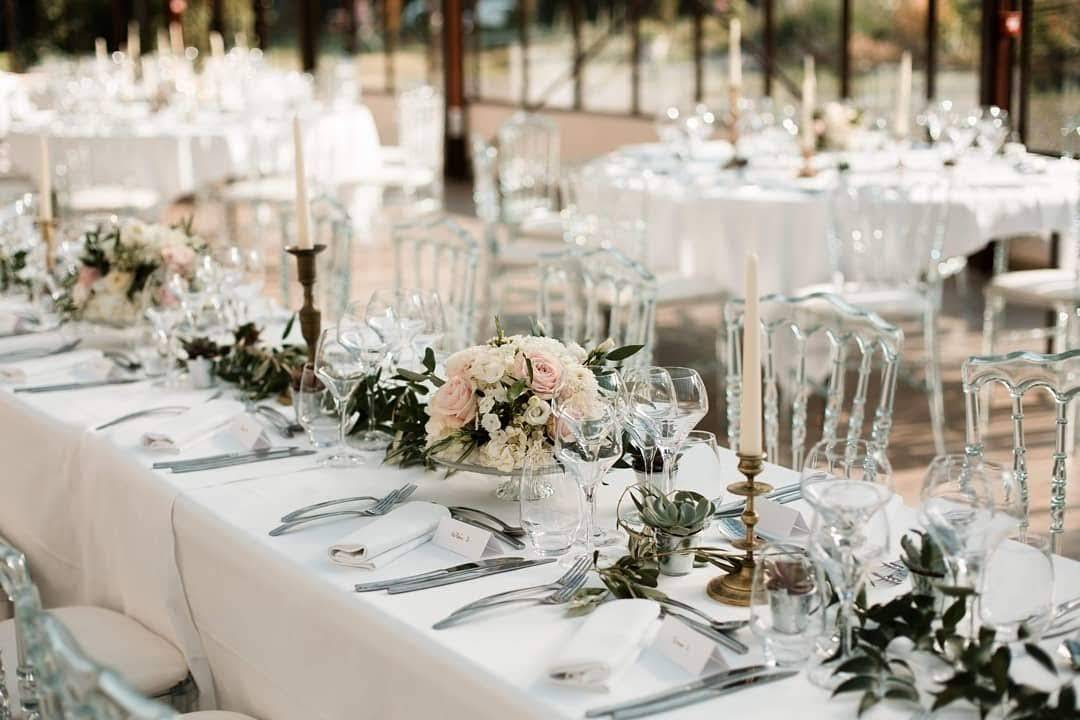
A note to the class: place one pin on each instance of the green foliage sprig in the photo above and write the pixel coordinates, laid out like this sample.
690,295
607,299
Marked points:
12,271
261,371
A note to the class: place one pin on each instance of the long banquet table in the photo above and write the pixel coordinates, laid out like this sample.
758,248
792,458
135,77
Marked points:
269,625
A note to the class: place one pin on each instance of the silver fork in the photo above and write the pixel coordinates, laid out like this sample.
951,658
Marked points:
382,507
580,569
559,597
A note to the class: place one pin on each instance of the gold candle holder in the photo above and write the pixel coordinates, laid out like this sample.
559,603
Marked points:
47,228
310,317
734,588
807,170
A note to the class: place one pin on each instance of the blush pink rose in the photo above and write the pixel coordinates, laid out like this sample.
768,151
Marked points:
454,403
178,257
88,276
547,373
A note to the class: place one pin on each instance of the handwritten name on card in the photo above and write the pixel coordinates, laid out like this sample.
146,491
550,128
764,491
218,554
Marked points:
466,540
247,432
683,646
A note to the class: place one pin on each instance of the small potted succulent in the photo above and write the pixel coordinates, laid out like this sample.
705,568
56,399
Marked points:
676,522
925,562
202,353
792,591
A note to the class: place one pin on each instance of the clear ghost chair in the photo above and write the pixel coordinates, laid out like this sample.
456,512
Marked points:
589,295
808,337
132,648
528,166
885,247
332,227
438,254
1020,373
415,164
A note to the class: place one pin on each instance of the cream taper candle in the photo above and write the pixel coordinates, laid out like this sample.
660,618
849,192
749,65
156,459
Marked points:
101,50
735,53
809,91
45,182
903,97
134,42
750,418
217,45
176,39
303,218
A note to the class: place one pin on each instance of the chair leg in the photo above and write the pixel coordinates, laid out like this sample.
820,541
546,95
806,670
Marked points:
994,306
933,379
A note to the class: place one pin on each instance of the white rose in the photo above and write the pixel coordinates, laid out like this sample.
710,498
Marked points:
489,368
606,346
537,411
576,352
487,402
490,422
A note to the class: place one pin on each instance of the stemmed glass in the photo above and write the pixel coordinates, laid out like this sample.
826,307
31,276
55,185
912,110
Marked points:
588,442
339,370
969,506
992,129
433,333
649,396
315,409
368,349
848,483
690,403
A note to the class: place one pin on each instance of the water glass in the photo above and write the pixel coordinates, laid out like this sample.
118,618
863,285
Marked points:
341,373
698,465
1017,585
551,508
788,600
315,409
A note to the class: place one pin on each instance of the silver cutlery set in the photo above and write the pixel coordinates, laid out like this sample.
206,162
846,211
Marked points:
213,462
380,506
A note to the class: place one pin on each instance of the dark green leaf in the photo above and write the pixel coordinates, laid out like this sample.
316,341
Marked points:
412,376
621,353
1039,655
868,701
288,327
859,665
999,668
857,683
902,693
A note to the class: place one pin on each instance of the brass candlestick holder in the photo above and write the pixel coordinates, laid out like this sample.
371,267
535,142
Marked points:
734,588
47,228
807,170
310,317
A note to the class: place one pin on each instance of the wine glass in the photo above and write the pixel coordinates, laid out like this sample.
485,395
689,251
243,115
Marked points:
650,395
316,409
690,403
588,442
992,129
339,370
1005,604
368,349
381,315
671,129
434,330
787,607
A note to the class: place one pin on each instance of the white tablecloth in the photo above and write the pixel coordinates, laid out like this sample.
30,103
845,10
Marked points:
172,155
271,619
700,217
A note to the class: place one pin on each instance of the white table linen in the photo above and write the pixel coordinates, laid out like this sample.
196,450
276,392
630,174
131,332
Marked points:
272,620
700,217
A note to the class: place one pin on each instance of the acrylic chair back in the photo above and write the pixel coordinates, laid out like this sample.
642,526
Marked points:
528,166
806,340
1020,373
888,234
437,254
420,112
589,295
18,588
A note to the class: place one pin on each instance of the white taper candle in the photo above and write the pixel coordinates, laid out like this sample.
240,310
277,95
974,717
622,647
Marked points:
809,92
903,97
750,418
735,53
217,45
134,42
303,218
176,39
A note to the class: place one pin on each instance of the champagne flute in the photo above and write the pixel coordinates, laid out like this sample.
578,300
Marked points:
340,371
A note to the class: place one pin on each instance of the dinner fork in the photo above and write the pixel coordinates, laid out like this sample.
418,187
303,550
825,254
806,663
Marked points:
382,507
561,596
307,510
578,571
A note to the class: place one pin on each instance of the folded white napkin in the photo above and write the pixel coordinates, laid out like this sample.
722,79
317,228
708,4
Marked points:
388,537
609,642
32,370
180,431
33,341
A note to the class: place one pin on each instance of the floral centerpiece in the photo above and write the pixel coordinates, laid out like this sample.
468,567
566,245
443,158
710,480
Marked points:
122,268
495,408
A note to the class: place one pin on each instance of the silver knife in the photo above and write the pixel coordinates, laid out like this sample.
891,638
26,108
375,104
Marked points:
384,584
465,575
76,385
242,461
165,464
715,678
175,409
707,693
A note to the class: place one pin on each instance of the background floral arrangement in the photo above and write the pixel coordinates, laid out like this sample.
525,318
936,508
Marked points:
122,268
495,407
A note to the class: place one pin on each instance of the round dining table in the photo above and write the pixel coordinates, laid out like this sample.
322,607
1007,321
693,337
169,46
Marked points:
699,213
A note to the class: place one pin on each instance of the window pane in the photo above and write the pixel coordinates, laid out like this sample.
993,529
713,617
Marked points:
495,46
807,27
370,47
607,75
549,53
959,22
881,31
283,20
417,59
1054,85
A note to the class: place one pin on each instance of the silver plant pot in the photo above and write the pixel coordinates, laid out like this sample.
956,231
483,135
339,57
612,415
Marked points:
790,611
675,553
201,373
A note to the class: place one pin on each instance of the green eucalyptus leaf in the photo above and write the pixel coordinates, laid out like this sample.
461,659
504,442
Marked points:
621,353
855,684
868,701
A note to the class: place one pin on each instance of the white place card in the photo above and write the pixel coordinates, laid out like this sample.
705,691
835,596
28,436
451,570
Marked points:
466,540
247,432
683,646
777,521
